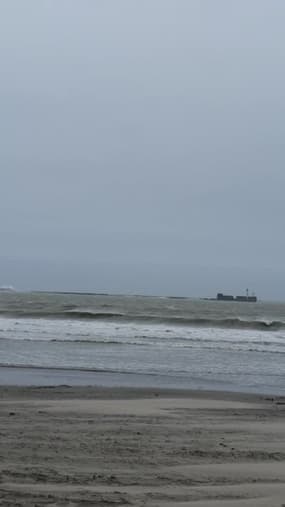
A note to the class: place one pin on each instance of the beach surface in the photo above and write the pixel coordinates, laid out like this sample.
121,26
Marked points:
92,446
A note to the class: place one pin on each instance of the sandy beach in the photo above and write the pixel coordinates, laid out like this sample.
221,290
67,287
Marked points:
78,446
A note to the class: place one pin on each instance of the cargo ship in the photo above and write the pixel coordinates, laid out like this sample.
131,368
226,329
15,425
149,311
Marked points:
245,299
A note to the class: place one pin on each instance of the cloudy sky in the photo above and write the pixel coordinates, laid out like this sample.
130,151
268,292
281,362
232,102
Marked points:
142,145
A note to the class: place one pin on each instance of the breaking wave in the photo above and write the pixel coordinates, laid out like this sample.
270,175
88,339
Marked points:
228,323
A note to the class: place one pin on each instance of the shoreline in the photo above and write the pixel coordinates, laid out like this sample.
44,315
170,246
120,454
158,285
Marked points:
11,375
129,393
84,446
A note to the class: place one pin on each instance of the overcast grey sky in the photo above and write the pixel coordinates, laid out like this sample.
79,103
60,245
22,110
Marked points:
142,145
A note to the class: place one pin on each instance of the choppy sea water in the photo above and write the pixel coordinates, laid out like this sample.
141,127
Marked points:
135,340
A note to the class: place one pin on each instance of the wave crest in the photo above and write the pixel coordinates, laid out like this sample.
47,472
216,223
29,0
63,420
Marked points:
229,323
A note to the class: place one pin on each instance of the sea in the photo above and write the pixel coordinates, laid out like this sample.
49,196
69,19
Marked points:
117,340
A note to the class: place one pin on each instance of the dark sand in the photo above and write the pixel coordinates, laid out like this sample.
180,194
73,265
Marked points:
78,446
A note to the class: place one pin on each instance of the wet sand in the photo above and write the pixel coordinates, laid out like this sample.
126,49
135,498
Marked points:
79,446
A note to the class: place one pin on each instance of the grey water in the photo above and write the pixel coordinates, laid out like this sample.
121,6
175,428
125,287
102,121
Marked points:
79,339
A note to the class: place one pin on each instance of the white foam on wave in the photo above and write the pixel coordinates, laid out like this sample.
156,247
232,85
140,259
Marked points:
152,335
